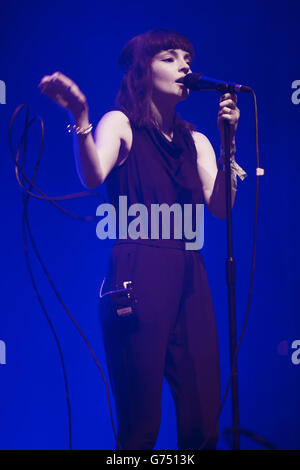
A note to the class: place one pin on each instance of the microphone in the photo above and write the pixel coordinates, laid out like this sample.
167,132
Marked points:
198,81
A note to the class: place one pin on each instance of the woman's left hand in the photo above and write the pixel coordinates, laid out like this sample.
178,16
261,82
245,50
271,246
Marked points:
228,110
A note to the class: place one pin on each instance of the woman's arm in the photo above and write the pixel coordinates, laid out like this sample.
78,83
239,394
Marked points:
94,159
212,179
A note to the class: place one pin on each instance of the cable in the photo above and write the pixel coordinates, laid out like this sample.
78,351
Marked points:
43,195
25,219
24,222
259,172
254,437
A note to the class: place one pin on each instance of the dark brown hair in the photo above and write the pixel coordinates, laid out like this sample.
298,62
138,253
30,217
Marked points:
134,96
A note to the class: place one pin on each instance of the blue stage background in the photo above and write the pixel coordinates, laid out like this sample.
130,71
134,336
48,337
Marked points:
254,43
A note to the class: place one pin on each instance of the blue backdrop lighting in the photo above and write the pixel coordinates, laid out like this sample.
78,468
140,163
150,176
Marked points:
254,43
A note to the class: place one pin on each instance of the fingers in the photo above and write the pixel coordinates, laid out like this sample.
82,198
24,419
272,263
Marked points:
228,108
228,111
228,100
228,104
232,116
64,92
57,79
227,96
58,84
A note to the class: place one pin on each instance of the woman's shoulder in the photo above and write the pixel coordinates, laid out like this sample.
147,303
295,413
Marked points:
198,136
200,140
117,123
116,117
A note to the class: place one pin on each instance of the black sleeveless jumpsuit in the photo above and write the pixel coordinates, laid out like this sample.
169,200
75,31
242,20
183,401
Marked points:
175,335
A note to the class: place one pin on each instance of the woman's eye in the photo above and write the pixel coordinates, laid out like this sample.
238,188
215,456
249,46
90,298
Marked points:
171,59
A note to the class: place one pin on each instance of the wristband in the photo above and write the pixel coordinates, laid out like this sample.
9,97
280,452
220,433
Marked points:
236,170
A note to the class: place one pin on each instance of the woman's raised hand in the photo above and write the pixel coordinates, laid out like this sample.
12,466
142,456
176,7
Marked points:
65,93
228,110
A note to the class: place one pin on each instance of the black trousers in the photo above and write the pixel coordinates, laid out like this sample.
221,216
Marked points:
175,336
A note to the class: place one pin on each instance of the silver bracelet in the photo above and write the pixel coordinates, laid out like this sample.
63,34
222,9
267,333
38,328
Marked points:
79,130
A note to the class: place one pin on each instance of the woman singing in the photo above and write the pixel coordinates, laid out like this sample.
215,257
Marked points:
144,151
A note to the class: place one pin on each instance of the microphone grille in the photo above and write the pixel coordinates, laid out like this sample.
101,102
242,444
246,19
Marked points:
191,80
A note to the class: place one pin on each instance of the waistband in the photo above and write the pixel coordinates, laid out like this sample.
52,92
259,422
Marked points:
159,243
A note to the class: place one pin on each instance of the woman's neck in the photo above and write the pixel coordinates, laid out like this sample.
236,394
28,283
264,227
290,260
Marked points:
164,118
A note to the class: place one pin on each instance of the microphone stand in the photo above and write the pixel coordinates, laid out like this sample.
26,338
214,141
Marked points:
231,280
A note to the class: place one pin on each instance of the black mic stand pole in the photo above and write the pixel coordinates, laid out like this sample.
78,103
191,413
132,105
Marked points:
231,279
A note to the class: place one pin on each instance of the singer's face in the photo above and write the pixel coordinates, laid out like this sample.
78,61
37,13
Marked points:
167,67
